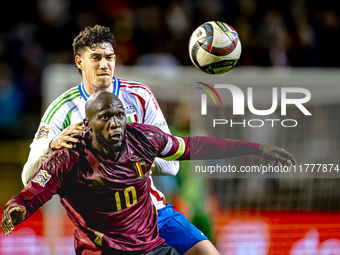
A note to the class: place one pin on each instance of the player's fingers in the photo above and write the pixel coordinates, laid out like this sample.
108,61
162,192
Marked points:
70,132
287,155
70,139
15,213
4,229
7,225
76,128
3,226
78,131
65,145
13,209
21,211
9,229
80,123
282,160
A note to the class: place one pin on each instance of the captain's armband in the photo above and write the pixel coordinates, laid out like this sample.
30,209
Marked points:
178,153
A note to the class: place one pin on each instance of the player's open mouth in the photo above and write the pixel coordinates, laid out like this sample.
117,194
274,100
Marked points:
115,137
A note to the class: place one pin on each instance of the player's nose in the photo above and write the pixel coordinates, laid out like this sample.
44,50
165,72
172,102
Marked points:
114,123
103,63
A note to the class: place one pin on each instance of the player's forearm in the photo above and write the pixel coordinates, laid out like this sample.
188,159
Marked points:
165,168
200,147
36,158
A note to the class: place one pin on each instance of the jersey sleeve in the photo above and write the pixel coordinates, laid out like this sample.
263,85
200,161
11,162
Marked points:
205,148
45,183
153,115
50,126
39,149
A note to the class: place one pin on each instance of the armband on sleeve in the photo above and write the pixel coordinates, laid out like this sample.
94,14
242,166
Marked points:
171,144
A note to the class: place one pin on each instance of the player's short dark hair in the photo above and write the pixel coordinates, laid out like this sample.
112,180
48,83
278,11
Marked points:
91,37
95,100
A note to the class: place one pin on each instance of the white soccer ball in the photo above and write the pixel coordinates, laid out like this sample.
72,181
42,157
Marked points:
214,47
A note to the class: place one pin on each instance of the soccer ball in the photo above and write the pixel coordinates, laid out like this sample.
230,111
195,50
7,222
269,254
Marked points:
214,47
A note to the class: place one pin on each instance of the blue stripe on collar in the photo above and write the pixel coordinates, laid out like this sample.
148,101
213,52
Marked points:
82,90
116,88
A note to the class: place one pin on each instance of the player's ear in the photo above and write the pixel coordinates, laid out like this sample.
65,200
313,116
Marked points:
86,124
79,61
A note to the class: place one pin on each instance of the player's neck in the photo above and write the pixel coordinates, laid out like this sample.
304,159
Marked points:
113,156
91,89
104,153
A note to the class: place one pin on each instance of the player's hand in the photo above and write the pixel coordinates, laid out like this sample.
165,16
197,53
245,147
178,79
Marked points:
10,217
64,139
152,168
277,154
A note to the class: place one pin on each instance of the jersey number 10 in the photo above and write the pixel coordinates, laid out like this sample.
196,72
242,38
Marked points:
128,202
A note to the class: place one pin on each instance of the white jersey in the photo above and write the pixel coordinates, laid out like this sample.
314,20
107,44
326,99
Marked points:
140,106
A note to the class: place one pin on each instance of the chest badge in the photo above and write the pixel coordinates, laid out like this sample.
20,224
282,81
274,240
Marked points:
131,114
140,168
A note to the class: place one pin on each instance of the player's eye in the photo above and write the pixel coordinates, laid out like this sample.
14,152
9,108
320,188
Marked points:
121,115
104,117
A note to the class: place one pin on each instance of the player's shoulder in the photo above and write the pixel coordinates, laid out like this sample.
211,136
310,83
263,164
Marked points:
146,138
71,94
134,87
61,160
63,104
138,91
145,132
143,128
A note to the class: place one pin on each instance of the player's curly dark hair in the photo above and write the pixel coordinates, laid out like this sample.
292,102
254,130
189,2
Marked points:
91,37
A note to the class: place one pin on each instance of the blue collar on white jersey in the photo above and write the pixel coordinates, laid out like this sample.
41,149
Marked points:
115,83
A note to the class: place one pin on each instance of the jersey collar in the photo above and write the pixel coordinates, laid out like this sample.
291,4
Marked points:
115,85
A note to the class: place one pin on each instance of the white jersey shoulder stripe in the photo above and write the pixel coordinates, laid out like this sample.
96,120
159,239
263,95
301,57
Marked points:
137,86
68,96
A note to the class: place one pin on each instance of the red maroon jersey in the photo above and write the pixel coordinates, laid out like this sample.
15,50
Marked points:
109,202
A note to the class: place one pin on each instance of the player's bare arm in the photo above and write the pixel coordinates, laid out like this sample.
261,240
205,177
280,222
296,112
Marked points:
65,139
10,216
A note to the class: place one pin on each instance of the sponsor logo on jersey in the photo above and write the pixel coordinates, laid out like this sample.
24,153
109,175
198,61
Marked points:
140,168
131,113
167,147
43,132
99,238
42,178
97,182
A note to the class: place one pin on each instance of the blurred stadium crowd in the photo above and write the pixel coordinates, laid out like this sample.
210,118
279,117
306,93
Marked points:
38,33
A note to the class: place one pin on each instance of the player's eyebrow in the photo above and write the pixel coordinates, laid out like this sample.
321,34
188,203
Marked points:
99,53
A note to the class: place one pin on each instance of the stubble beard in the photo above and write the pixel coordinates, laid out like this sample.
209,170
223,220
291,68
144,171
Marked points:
107,145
